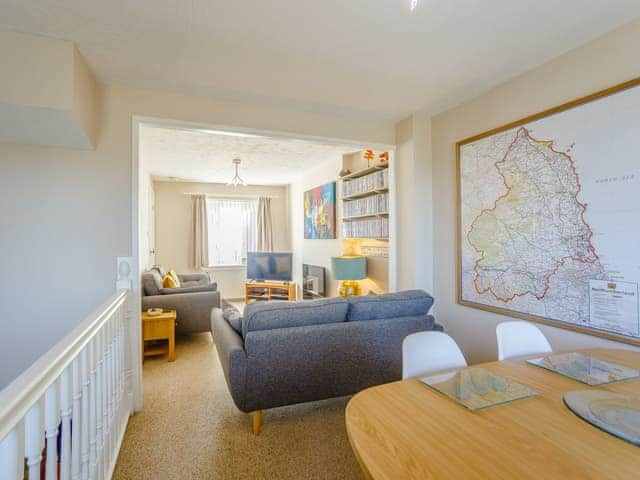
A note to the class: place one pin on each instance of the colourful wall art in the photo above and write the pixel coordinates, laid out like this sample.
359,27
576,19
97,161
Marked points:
320,212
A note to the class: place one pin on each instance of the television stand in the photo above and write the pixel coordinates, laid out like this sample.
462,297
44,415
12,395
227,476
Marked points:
255,290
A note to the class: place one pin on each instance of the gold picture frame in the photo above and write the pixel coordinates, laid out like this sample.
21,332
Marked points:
531,118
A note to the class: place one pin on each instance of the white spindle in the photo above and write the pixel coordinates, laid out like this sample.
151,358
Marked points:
51,431
11,463
92,409
105,404
65,413
33,440
99,400
84,416
111,383
76,435
75,391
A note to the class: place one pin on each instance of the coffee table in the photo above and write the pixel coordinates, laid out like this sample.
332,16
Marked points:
159,327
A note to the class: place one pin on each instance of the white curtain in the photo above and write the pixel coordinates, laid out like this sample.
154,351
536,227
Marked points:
265,234
232,230
200,232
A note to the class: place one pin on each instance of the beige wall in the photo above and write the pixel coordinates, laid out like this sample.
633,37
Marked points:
597,65
65,214
319,252
29,59
313,252
173,217
173,227
47,92
413,170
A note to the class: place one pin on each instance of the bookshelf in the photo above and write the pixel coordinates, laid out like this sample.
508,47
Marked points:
365,203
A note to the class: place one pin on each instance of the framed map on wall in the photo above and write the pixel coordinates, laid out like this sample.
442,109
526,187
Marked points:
549,216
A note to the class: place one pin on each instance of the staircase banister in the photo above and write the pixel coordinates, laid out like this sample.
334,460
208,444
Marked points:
20,395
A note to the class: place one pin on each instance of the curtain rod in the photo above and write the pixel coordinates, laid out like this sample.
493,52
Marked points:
229,195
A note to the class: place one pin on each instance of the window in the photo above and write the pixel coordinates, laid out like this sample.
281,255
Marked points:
232,230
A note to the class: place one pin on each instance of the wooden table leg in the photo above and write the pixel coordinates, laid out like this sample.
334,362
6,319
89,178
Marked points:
257,422
172,346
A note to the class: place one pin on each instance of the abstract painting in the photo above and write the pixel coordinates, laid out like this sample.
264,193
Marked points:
320,212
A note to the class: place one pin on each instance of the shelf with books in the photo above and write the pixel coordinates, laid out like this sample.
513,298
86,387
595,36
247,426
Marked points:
366,171
368,193
368,215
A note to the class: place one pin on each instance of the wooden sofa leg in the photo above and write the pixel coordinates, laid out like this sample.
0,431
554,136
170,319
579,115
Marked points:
257,422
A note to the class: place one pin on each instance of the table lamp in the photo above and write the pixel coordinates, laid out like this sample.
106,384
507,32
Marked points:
349,269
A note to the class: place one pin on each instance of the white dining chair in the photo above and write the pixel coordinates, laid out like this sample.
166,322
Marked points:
517,339
427,352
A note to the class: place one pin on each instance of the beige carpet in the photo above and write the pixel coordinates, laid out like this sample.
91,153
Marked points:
190,429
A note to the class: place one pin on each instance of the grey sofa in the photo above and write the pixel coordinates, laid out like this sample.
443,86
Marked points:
281,353
193,301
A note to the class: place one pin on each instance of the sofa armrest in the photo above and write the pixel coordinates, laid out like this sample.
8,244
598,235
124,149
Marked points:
193,309
212,287
195,277
232,356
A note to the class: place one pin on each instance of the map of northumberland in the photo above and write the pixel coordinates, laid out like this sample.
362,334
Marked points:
550,217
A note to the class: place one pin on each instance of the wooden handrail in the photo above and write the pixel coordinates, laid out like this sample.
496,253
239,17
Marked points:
21,394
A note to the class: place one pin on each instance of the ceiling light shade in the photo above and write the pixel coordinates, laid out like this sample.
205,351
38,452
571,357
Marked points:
237,179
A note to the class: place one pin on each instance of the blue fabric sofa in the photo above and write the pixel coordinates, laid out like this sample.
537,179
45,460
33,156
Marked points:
281,353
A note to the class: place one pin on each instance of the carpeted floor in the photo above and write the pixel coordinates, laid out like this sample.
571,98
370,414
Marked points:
190,429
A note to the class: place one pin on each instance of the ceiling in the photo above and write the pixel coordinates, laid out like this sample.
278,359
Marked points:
204,156
357,57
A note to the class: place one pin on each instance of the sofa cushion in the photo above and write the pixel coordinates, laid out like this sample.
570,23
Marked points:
169,282
409,303
232,315
172,273
151,282
272,315
161,270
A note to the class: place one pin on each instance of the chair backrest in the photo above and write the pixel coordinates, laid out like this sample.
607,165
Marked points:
517,339
428,352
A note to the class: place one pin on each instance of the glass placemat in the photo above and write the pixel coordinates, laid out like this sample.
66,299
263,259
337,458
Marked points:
477,388
585,368
616,414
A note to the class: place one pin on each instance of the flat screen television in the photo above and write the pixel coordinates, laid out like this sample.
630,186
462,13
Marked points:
269,266
312,281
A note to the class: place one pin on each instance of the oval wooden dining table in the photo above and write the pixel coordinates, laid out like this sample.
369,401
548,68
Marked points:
406,430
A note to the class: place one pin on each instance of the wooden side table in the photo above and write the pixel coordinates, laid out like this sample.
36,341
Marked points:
159,327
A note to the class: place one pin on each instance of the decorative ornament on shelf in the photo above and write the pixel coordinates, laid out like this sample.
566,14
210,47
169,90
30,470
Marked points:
237,179
344,172
368,156
383,159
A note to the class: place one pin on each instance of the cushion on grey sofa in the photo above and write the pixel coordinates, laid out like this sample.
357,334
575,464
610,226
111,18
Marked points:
160,269
232,315
272,315
401,304
151,282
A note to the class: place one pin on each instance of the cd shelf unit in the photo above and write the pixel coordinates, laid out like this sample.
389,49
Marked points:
365,203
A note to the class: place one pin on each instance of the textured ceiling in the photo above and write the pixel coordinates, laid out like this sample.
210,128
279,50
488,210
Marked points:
353,57
197,155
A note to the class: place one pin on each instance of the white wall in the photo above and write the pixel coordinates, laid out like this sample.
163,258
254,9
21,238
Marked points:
173,227
414,192
595,66
65,214
47,92
314,252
